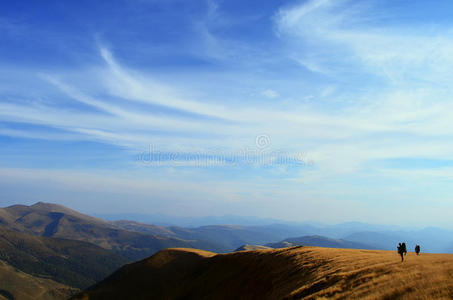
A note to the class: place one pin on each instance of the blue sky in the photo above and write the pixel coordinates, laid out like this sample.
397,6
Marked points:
301,110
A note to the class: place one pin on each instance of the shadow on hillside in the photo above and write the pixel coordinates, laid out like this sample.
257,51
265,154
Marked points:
7,295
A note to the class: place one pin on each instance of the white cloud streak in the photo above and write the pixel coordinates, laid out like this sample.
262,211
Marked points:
400,109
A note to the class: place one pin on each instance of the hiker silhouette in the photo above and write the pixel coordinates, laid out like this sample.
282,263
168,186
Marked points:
417,249
401,251
404,248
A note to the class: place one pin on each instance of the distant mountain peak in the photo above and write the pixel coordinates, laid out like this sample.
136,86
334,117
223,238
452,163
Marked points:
50,206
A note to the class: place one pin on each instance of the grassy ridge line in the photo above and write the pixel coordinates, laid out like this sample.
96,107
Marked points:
288,273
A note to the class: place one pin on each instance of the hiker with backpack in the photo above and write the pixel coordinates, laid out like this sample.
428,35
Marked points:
401,251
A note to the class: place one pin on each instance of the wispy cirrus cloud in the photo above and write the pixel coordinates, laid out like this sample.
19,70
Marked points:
119,122
350,85
351,33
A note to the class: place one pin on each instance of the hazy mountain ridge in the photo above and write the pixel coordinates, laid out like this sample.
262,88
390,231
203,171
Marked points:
434,240
191,222
320,241
385,237
137,240
225,237
53,220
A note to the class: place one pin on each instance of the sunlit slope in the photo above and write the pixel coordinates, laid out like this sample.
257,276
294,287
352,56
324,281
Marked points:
17,285
247,247
289,273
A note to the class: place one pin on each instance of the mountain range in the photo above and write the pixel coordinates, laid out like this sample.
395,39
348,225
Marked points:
320,241
52,220
432,239
60,247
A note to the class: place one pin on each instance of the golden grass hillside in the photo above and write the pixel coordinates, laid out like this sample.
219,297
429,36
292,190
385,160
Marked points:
287,273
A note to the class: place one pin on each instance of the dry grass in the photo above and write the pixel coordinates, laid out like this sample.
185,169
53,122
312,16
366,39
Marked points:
288,273
367,274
